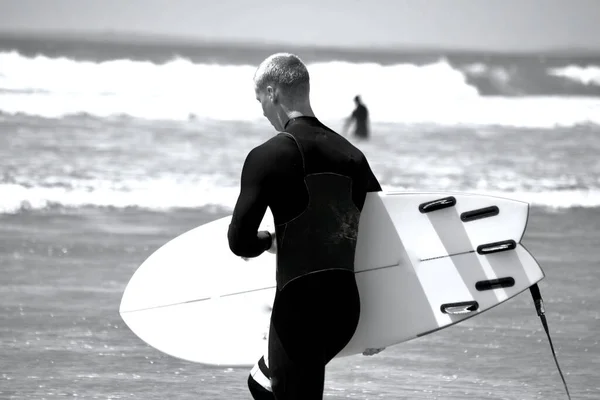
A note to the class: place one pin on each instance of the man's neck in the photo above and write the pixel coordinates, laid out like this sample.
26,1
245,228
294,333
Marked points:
288,113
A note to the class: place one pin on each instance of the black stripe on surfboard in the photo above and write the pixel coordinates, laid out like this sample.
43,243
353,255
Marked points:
198,300
438,204
480,213
377,268
242,292
447,255
484,249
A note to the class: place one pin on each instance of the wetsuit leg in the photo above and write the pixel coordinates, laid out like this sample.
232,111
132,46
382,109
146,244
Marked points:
361,132
257,391
313,319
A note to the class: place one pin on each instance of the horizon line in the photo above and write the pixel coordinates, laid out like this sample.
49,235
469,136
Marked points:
132,37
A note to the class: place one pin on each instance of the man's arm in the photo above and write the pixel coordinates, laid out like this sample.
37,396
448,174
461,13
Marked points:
243,235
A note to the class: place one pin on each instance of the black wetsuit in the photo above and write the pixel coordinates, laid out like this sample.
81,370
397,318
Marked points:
360,116
315,183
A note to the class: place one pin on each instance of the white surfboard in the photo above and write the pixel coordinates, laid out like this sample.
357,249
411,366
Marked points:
424,261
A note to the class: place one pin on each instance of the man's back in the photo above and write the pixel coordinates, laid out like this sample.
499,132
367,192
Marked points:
315,150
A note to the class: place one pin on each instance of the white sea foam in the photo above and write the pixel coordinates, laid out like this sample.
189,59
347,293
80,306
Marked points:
160,195
176,90
589,75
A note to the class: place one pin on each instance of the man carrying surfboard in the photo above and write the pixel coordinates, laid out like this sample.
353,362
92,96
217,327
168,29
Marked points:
315,183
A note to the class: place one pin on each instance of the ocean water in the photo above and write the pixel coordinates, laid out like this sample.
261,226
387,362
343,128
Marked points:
109,150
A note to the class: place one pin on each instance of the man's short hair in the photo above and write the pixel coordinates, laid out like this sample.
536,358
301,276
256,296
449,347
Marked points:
285,71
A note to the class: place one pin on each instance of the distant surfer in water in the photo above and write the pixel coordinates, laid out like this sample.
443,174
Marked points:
315,183
360,117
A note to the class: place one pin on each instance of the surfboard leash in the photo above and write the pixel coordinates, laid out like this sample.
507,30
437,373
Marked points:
539,306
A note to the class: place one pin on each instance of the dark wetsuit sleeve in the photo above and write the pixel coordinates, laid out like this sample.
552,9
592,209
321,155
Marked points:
243,235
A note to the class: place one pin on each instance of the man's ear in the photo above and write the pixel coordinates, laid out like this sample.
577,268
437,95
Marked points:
273,94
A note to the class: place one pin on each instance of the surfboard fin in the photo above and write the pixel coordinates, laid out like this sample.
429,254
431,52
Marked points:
463,307
479,214
439,204
492,284
496,247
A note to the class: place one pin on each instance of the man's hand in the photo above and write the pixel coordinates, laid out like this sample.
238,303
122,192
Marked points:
371,352
272,249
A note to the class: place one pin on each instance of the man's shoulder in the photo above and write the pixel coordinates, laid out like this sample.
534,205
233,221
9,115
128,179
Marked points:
349,147
279,144
281,141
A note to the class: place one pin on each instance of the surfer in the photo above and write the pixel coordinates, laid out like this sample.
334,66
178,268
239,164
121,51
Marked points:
315,183
360,116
